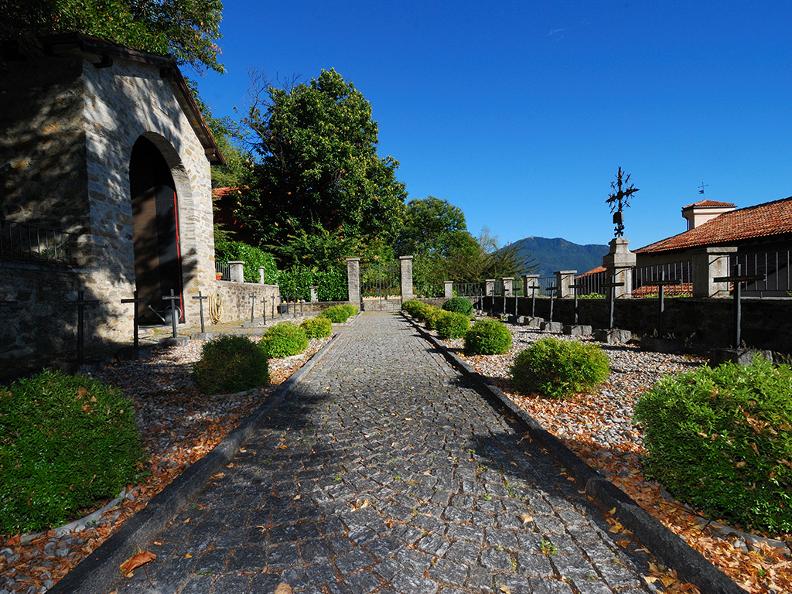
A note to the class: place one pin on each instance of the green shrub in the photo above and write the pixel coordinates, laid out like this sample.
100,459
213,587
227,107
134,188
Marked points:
338,314
230,364
352,310
559,368
318,327
488,337
430,314
721,440
411,306
253,257
296,282
459,305
66,443
284,340
451,324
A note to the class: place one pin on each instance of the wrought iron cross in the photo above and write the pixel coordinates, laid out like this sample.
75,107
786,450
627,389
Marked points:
611,286
661,285
534,287
619,199
552,291
173,299
575,288
135,321
252,306
738,279
201,298
81,302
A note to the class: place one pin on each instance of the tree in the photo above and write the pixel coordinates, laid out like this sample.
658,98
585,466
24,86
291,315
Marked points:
185,29
319,170
429,227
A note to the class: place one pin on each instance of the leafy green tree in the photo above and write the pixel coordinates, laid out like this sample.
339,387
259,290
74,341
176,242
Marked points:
319,172
188,30
431,226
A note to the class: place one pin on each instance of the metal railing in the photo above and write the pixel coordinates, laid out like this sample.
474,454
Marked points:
644,277
591,283
468,289
545,282
776,267
21,241
224,269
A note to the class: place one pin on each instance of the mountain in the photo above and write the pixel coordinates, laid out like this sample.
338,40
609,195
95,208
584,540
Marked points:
559,254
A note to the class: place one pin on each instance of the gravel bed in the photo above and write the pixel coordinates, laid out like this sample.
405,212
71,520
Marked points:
179,425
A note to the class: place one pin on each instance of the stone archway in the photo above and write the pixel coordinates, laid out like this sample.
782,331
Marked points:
157,247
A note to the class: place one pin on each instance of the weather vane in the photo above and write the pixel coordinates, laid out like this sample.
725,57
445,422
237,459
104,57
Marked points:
619,199
702,186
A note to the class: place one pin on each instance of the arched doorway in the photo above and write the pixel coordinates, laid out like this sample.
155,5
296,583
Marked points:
155,211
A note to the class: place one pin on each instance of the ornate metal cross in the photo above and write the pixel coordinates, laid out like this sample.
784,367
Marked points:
552,291
575,288
534,287
619,199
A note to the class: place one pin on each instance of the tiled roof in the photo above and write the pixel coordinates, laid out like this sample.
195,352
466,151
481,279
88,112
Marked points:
709,204
593,271
762,220
225,191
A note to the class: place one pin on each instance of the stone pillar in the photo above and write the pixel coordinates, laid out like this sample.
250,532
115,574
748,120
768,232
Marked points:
708,263
261,275
448,289
529,280
353,280
489,287
564,280
406,277
314,294
237,271
508,286
619,262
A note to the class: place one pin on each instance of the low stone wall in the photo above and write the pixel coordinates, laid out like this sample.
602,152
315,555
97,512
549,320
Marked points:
767,322
235,300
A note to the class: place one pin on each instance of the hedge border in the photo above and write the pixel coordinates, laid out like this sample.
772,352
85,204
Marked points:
689,564
99,568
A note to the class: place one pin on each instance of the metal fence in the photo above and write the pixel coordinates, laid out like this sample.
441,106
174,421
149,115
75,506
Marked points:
592,283
645,277
223,269
774,265
547,286
468,289
31,242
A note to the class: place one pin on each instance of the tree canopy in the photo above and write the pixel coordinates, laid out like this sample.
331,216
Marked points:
188,30
318,170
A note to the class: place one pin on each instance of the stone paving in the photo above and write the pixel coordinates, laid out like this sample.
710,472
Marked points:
385,473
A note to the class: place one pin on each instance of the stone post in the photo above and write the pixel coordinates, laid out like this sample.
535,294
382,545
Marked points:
353,280
261,275
564,280
237,271
508,286
448,289
708,263
619,262
314,294
529,280
489,287
405,263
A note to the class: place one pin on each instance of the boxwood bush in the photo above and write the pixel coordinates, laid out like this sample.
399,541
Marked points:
451,324
459,305
721,440
430,315
559,368
338,314
318,327
67,442
284,340
230,364
352,310
415,308
488,337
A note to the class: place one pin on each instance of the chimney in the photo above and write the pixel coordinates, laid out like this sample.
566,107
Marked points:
704,210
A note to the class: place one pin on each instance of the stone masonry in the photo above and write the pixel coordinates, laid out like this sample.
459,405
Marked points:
386,472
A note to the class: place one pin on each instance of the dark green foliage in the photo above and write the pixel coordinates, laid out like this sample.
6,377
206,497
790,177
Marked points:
488,337
318,327
451,324
721,440
186,29
415,308
559,368
230,364
284,340
296,282
339,314
461,305
66,443
253,257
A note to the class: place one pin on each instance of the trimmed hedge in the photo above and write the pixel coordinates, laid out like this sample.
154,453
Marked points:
318,327
338,314
451,324
721,440
430,316
283,340
559,368
459,305
230,364
488,337
415,308
67,442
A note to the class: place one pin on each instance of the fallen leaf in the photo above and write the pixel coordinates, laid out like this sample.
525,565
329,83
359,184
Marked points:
136,560
283,588
188,555
526,518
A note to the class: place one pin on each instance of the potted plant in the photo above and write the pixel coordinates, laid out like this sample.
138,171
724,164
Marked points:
218,276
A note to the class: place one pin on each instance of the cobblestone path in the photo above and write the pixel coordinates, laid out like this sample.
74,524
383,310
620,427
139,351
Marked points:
386,473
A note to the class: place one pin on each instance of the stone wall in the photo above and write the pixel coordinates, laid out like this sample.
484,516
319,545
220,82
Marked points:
767,323
235,298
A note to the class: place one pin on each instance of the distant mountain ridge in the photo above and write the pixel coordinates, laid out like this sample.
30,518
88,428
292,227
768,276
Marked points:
557,253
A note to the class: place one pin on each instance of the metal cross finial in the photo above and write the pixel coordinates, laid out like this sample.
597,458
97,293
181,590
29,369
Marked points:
701,187
619,199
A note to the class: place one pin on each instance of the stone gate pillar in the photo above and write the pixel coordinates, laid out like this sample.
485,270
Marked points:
508,286
353,281
406,263
489,287
529,280
619,262
709,263
237,271
564,280
448,289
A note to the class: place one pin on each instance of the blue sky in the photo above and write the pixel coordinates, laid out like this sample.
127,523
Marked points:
520,112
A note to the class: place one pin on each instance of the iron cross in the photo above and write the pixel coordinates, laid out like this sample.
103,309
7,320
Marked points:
534,287
552,291
661,285
738,279
135,321
575,288
619,199
201,298
252,306
611,298
81,302
173,298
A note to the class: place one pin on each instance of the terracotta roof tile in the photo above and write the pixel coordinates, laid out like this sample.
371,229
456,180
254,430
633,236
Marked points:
593,271
709,204
762,220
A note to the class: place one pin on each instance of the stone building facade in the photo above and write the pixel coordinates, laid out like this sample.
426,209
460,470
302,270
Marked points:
104,153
